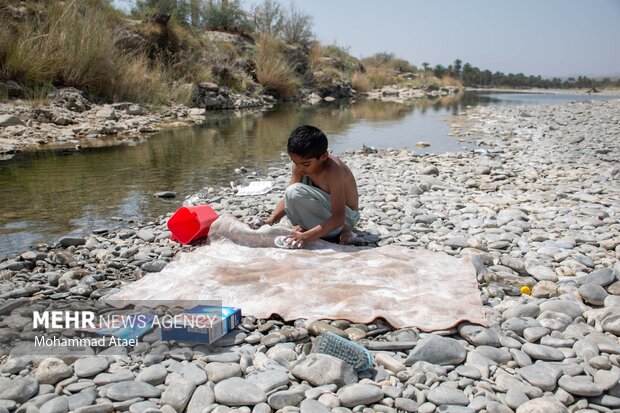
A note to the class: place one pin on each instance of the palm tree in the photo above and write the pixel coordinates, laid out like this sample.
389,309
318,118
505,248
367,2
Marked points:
457,67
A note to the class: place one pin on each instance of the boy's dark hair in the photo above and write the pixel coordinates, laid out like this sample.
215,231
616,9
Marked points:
307,142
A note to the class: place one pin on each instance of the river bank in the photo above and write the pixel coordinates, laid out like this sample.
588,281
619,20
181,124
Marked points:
539,206
69,121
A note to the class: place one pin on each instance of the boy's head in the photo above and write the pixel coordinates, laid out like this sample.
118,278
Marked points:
307,142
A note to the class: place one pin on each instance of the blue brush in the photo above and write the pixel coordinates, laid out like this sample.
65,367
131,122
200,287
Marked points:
352,353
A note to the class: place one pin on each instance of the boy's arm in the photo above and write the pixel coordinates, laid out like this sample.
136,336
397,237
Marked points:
336,186
279,213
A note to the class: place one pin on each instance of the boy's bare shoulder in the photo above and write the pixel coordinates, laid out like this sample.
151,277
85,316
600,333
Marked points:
339,166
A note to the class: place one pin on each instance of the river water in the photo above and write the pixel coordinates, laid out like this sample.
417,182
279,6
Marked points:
49,194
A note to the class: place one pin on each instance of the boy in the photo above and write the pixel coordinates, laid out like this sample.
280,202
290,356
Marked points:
321,200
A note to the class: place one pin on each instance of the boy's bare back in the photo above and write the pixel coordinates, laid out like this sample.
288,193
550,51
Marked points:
325,175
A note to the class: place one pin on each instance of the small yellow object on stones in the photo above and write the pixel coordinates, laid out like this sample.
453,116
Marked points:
526,290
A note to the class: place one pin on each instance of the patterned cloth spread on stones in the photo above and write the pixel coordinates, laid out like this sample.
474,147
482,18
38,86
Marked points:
408,288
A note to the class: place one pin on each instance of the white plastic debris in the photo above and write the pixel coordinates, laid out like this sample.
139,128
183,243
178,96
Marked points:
255,188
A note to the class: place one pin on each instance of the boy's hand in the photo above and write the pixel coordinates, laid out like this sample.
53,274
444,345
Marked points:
257,223
297,239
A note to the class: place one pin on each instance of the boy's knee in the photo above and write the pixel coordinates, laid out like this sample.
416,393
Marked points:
294,191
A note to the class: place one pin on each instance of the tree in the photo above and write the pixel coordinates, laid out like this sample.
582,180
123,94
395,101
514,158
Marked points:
439,71
268,18
297,28
425,66
457,68
226,16
179,10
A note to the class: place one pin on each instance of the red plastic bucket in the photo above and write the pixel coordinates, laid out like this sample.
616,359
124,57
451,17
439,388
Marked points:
191,222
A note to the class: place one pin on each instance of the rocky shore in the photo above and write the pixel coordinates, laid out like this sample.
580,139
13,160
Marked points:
70,120
538,204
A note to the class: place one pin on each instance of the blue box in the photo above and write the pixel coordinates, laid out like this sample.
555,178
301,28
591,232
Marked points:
202,324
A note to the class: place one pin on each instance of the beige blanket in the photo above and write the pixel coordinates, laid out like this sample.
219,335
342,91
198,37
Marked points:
407,288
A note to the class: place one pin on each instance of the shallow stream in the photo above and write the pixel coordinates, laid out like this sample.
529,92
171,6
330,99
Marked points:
53,193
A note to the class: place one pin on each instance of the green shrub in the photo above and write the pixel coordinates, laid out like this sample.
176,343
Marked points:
297,28
268,18
230,17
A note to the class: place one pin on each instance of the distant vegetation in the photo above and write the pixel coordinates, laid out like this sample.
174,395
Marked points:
472,76
156,53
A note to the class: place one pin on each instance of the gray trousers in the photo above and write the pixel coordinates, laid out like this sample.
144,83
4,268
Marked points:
308,206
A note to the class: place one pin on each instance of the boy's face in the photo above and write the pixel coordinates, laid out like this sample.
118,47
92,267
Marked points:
308,166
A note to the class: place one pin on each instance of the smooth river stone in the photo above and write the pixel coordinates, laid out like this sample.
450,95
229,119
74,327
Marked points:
283,398
203,396
447,395
542,273
57,405
155,374
236,391
540,352
52,370
219,371
126,390
119,375
314,406
580,386
543,375
319,369
478,335
593,294
533,334
606,379
521,310
19,389
356,394
437,350
568,307
542,405
519,324
89,366
602,277
178,391
269,380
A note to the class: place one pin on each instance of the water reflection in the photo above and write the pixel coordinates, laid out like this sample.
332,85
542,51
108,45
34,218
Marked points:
52,193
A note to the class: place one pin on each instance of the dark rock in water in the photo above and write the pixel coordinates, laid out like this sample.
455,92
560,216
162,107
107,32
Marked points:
339,89
210,96
69,241
165,194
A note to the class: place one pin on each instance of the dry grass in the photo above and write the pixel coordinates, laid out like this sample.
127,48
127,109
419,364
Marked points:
315,55
389,61
380,76
360,82
272,69
139,81
450,81
71,44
